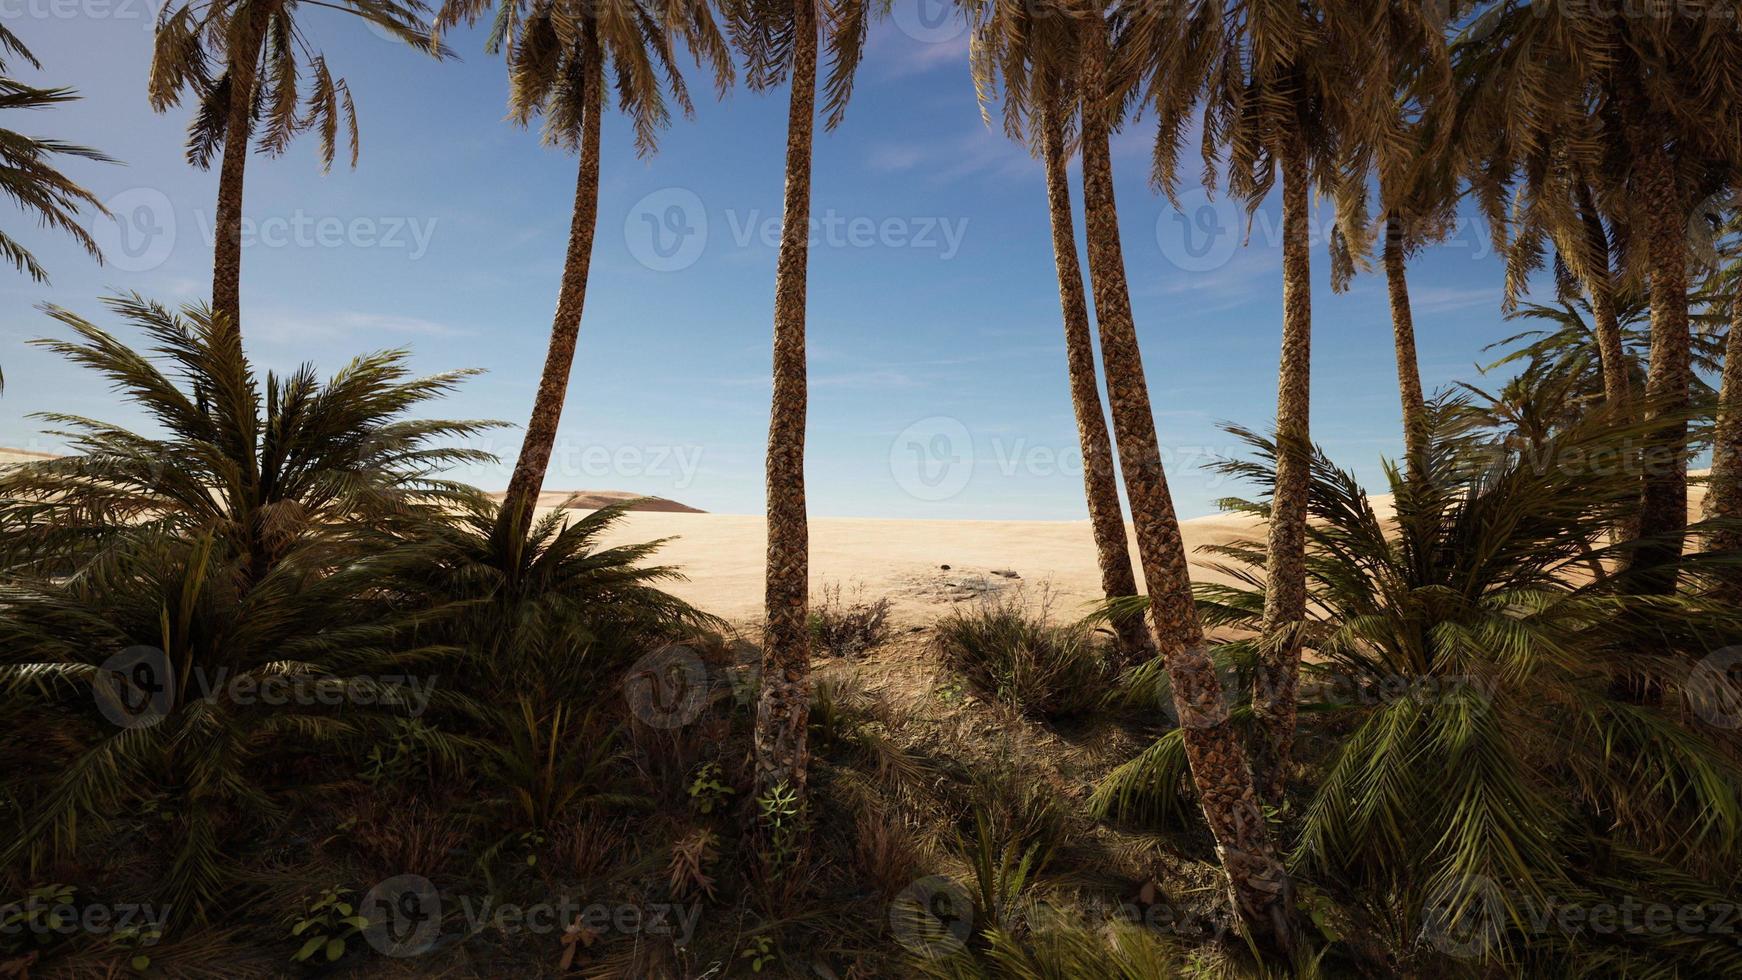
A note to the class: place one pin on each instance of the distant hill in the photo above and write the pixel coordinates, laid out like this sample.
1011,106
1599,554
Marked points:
595,499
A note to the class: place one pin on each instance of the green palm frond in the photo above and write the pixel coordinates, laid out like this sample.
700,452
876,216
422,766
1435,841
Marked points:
192,56
29,174
264,463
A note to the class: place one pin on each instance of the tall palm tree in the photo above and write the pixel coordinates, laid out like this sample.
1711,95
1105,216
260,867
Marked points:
1648,111
260,53
1417,181
1219,765
1274,84
779,40
28,175
559,55
1723,504
1033,49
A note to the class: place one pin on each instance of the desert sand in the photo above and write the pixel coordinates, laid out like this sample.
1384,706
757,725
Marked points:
721,556
922,567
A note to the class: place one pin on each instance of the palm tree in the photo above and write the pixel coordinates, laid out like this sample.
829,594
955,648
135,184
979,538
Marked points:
29,177
1280,92
320,467
559,55
1723,505
1033,49
1645,111
245,538
263,53
779,40
1442,798
1219,766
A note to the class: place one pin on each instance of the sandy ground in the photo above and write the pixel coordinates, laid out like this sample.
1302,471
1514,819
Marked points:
905,561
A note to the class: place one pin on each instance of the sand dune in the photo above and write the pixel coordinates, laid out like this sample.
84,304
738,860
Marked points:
595,499
904,560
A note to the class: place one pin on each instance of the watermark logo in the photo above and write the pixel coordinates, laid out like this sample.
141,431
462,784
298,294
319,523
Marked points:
933,917
1202,235
667,688
136,687
405,916
929,21
1464,917
667,230
933,459
138,234
1714,688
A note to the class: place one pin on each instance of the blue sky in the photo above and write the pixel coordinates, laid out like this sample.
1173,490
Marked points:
938,387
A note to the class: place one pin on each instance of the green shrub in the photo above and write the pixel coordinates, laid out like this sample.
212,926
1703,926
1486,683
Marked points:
1052,671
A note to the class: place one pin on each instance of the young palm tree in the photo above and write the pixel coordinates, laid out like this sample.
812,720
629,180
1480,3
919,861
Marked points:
560,56
1281,92
1219,766
1451,797
245,539
779,40
1034,50
320,467
28,175
261,53
1645,111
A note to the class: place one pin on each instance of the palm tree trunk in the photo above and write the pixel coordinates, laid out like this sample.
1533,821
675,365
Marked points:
1663,507
524,486
1220,772
783,709
1275,683
1616,383
242,69
1724,487
1100,483
1415,427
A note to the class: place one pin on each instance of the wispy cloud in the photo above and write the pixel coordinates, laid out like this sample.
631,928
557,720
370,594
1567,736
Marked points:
283,327
1444,299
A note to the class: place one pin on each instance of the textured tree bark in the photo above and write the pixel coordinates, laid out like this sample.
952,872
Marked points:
1257,880
553,384
1606,320
1663,506
1276,682
1724,488
243,67
1415,427
1100,482
783,708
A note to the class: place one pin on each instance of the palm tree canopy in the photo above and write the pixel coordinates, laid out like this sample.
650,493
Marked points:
554,46
764,29
1557,96
1261,75
262,466
27,175
197,38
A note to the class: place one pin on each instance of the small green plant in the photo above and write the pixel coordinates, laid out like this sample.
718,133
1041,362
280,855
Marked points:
708,793
327,926
781,815
137,939
41,916
395,759
532,841
760,953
